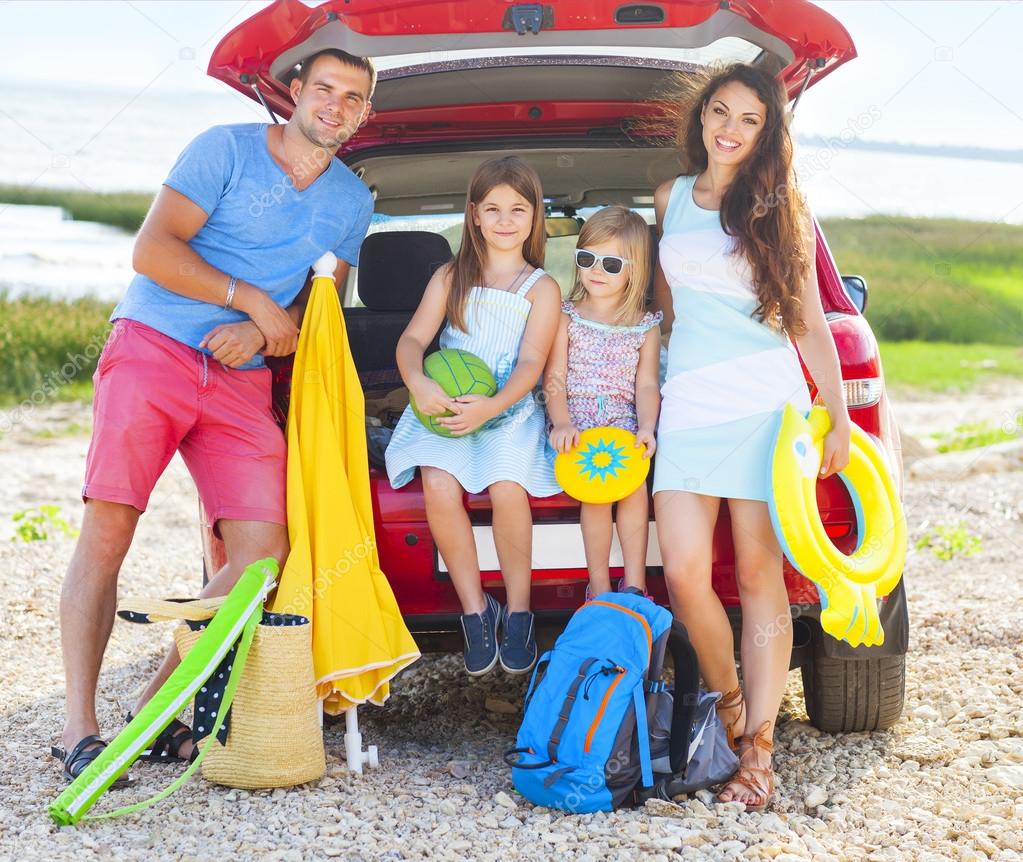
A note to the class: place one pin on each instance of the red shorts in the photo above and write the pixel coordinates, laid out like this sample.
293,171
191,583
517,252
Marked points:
154,396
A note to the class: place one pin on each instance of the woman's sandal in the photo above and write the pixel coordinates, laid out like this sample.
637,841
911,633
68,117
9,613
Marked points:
731,700
757,779
164,748
78,759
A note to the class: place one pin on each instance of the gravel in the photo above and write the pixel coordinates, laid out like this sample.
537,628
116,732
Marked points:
945,783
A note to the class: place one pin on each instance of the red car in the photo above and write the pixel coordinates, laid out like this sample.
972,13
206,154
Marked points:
568,92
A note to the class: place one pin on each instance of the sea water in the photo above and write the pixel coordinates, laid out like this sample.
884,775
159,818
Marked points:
110,140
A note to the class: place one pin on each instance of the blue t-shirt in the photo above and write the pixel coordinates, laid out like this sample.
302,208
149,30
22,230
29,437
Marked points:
260,228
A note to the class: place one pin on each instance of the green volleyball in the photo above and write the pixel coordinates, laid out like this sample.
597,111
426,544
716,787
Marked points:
459,373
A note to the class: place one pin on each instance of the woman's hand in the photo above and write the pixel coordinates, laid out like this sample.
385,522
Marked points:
564,437
835,456
431,399
234,344
472,412
645,437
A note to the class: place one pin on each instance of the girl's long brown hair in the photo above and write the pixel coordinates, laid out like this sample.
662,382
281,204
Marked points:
467,267
762,208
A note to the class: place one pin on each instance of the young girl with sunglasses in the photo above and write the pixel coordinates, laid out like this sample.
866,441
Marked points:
603,370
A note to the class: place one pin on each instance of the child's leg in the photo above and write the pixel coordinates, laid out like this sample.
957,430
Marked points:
452,532
633,520
595,520
513,536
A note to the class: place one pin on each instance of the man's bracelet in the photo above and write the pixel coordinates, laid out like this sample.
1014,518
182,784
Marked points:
231,285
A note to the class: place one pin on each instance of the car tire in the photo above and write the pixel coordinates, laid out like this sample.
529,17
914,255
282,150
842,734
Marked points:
849,695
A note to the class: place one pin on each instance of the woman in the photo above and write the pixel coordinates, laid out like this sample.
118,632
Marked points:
736,282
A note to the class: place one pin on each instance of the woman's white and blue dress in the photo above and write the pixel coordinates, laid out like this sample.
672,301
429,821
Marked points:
729,375
511,446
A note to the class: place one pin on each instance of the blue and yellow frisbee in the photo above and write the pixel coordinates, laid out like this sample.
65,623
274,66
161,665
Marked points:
605,467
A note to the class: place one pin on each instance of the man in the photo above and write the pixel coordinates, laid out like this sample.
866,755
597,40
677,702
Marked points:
222,260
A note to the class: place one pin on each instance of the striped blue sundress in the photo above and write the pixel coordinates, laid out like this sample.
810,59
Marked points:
511,447
728,374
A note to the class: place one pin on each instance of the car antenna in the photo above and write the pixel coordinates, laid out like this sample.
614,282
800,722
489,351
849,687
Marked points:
253,82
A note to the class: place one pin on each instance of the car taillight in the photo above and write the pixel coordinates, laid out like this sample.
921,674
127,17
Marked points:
864,392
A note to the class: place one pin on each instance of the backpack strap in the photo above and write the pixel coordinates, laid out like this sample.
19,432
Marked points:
687,696
543,661
643,735
566,709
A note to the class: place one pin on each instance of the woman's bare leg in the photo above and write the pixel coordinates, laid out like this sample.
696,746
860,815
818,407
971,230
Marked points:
766,626
685,531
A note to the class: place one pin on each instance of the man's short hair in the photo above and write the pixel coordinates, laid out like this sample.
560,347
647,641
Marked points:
363,63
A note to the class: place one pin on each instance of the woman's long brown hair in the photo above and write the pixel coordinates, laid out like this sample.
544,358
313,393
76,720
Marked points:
467,267
762,208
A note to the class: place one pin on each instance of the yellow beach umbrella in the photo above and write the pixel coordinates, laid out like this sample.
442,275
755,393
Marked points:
332,575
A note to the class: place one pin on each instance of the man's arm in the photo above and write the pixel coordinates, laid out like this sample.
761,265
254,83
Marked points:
163,254
234,344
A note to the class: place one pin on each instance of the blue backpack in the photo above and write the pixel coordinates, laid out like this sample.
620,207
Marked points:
601,730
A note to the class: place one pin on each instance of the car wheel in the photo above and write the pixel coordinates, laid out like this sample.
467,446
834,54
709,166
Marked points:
844,696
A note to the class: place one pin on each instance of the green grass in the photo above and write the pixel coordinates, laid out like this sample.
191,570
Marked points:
72,429
49,348
973,435
935,279
121,209
943,367
946,299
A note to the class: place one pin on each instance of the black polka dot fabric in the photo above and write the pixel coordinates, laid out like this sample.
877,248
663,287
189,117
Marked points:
211,694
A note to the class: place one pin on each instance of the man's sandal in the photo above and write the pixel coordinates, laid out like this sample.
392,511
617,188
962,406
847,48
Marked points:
164,748
758,779
78,758
731,700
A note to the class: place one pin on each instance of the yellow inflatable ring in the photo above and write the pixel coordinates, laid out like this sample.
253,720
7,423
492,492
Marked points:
605,467
849,584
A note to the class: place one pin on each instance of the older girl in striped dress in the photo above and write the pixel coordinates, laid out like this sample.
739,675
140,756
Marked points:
502,307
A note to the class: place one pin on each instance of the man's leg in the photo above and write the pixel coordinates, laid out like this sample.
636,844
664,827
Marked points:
245,543
144,402
237,456
87,604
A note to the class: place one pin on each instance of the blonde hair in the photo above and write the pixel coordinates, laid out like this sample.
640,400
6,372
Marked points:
467,267
632,233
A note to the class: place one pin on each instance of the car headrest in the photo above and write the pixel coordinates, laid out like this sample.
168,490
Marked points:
395,267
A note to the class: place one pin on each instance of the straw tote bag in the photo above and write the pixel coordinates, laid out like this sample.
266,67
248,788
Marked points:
271,736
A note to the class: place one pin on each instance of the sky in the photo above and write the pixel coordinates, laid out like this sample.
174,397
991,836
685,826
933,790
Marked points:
932,72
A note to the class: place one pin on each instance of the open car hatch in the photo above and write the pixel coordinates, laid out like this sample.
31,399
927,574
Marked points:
793,39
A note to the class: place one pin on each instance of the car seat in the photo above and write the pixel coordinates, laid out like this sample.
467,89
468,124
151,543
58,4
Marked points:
394,269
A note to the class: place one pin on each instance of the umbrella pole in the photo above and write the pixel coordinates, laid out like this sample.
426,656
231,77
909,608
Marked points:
353,744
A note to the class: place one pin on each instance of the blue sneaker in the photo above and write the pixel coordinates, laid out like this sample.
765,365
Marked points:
518,646
480,633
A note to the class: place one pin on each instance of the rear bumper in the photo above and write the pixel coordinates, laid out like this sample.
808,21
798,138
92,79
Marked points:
442,633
